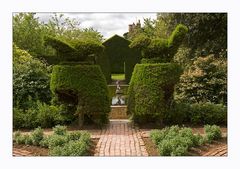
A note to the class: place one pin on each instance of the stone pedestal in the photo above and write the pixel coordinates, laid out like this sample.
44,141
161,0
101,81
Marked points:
118,112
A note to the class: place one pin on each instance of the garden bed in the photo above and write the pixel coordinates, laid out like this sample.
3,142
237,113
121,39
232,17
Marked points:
40,151
199,151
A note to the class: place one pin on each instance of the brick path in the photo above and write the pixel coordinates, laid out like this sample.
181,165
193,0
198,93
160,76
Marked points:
221,151
120,138
20,152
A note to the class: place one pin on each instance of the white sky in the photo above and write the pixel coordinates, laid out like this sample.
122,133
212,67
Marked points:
107,24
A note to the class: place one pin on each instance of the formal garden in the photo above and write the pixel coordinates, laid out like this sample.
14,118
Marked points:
158,90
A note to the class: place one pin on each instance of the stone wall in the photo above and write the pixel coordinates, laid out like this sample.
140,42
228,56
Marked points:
118,112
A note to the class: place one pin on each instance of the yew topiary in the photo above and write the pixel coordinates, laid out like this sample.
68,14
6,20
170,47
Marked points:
152,84
77,81
163,49
85,87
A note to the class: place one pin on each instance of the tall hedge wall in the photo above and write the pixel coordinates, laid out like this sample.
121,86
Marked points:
104,63
118,51
130,61
151,90
84,86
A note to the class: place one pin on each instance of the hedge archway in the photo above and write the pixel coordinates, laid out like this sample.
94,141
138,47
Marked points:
122,59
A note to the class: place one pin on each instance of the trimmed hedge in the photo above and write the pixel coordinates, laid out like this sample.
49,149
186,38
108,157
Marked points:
130,62
83,86
104,63
163,49
122,59
197,114
151,91
116,48
75,51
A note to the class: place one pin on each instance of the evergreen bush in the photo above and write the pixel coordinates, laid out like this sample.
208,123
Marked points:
151,90
83,86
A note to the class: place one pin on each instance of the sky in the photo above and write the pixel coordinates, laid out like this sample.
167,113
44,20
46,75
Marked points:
108,24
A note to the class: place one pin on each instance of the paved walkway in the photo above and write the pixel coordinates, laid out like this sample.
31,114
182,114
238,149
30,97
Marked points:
19,152
221,151
120,138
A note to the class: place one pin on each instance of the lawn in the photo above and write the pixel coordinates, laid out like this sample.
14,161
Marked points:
118,76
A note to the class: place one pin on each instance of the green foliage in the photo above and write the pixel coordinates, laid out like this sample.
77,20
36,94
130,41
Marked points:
37,136
55,140
20,138
208,113
72,148
76,135
60,143
83,86
151,90
75,51
77,145
179,113
175,141
197,114
23,139
122,59
60,130
30,79
40,114
176,38
29,33
34,138
163,49
212,132
204,81
104,63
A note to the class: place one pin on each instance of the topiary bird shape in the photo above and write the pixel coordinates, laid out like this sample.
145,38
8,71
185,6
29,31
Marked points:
74,51
158,49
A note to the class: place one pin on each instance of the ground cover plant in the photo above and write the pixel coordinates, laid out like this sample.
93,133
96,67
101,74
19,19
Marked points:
60,143
176,141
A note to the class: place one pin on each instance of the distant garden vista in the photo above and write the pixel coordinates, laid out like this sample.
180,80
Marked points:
146,85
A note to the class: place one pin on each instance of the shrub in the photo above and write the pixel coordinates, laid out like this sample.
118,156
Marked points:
75,135
175,141
208,113
179,113
72,148
56,140
197,114
37,136
83,86
204,81
212,132
40,114
25,118
60,130
151,90
19,138
30,79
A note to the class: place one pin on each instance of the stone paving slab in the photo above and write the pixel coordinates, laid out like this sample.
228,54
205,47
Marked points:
120,138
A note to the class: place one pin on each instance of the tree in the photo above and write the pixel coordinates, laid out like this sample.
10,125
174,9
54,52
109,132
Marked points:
30,79
28,33
204,81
